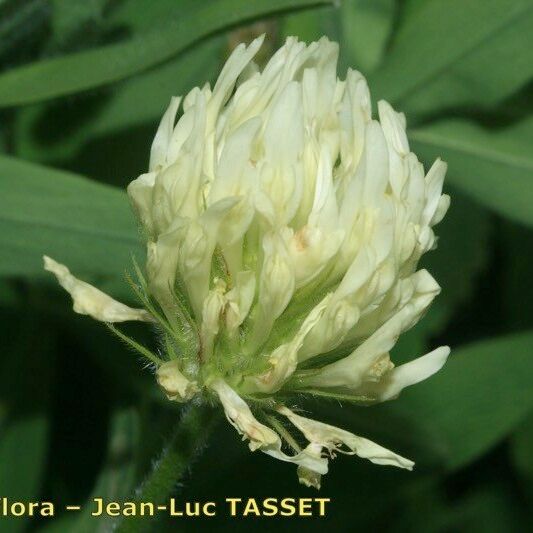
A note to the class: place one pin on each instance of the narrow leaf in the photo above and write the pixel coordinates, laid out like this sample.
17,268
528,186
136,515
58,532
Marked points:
84,224
366,28
447,44
52,130
100,66
494,167
115,481
478,398
26,366
489,73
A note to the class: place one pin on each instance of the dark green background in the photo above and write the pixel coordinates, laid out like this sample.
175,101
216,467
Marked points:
82,87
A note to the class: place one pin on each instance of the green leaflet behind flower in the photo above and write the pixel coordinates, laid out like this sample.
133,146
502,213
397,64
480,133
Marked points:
283,228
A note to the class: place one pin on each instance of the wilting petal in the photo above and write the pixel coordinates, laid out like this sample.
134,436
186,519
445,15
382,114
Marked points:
312,465
309,478
89,300
333,439
260,436
241,418
174,384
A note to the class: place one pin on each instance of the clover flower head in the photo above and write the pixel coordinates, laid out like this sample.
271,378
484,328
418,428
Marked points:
283,227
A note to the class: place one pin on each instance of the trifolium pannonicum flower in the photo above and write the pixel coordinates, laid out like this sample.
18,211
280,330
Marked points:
283,228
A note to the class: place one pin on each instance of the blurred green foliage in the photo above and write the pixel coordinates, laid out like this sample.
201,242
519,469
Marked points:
82,86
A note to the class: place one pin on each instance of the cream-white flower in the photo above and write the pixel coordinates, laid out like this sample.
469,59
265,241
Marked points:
283,226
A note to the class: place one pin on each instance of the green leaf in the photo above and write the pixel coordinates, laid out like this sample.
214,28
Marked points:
517,244
94,68
312,25
462,251
8,295
385,424
24,403
115,481
456,52
490,73
21,24
522,451
87,225
366,26
69,15
23,447
53,131
409,7
494,167
74,17
140,15
487,504
479,397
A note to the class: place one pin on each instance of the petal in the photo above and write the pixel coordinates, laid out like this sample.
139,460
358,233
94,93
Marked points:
375,164
283,135
307,459
235,64
175,385
333,438
284,359
140,192
311,250
329,332
162,264
309,478
354,113
260,436
196,252
353,370
235,162
160,144
214,304
241,418
434,181
408,374
240,299
393,127
89,300
276,286
442,208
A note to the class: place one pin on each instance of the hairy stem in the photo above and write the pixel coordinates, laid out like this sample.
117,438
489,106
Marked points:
186,443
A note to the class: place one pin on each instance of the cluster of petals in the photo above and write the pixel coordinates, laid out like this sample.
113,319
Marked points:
292,222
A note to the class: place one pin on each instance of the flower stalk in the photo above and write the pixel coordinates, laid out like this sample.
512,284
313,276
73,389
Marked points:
189,439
